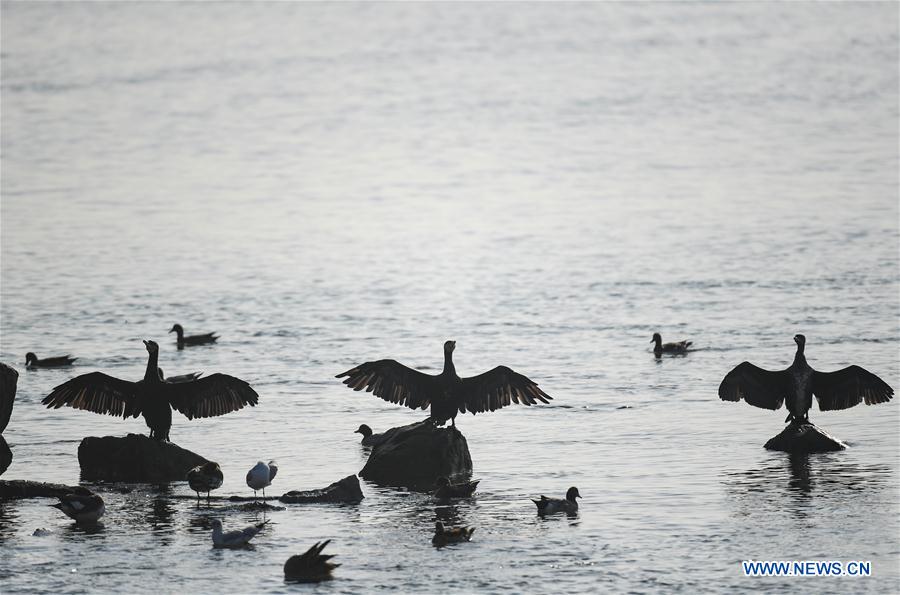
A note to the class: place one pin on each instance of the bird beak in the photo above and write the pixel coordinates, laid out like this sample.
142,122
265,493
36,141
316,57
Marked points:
171,330
357,432
146,344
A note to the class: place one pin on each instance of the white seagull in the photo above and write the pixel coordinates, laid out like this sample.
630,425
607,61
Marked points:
234,538
261,476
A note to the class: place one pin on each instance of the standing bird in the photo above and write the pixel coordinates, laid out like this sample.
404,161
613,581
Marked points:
446,490
368,438
32,361
446,393
205,478
443,536
553,505
679,348
180,378
85,509
796,386
154,399
189,340
311,566
260,476
234,538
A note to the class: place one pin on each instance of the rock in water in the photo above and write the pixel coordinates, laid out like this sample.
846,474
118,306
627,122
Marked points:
134,458
416,455
346,490
8,379
804,437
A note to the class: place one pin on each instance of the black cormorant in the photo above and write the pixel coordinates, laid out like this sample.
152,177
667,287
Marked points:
796,386
154,399
446,393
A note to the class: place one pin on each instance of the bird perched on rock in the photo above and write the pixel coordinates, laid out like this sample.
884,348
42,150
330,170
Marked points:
234,538
443,536
446,490
311,566
796,385
446,393
205,478
32,361
84,509
660,348
179,378
182,340
260,476
368,438
152,398
553,505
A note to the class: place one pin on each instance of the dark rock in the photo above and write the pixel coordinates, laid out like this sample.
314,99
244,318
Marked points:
134,458
8,379
346,490
804,437
5,455
416,455
21,488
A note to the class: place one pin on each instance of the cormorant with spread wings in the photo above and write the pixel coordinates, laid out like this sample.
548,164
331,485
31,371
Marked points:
152,397
446,393
796,386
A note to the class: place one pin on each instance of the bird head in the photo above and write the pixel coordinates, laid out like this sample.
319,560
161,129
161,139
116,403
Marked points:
449,346
29,358
364,430
439,527
572,494
442,482
216,524
176,328
656,338
151,346
800,340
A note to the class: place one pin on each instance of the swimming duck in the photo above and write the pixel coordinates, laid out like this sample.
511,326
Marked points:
205,478
217,394
180,378
660,348
84,509
796,385
446,393
260,476
553,505
32,361
368,438
447,490
234,538
444,536
311,566
185,341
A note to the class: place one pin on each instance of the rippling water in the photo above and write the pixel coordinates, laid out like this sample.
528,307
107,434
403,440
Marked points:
325,184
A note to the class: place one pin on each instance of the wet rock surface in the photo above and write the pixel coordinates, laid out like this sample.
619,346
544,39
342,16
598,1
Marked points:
802,437
22,488
134,458
346,490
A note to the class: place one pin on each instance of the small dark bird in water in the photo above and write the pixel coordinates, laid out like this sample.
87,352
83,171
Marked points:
443,536
154,399
553,505
368,438
446,490
84,509
446,393
796,386
186,341
659,348
311,566
180,378
32,361
205,478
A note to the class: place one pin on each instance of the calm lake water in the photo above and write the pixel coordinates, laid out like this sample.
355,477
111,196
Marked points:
547,184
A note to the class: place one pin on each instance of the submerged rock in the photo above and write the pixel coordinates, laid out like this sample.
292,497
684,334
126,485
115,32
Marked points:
804,437
134,458
346,490
22,488
416,455
8,380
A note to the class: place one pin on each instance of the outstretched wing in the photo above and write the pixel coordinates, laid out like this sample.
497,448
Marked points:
848,387
760,388
217,394
97,392
498,388
394,382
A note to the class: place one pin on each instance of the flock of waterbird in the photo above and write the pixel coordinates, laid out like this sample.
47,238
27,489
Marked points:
445,395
